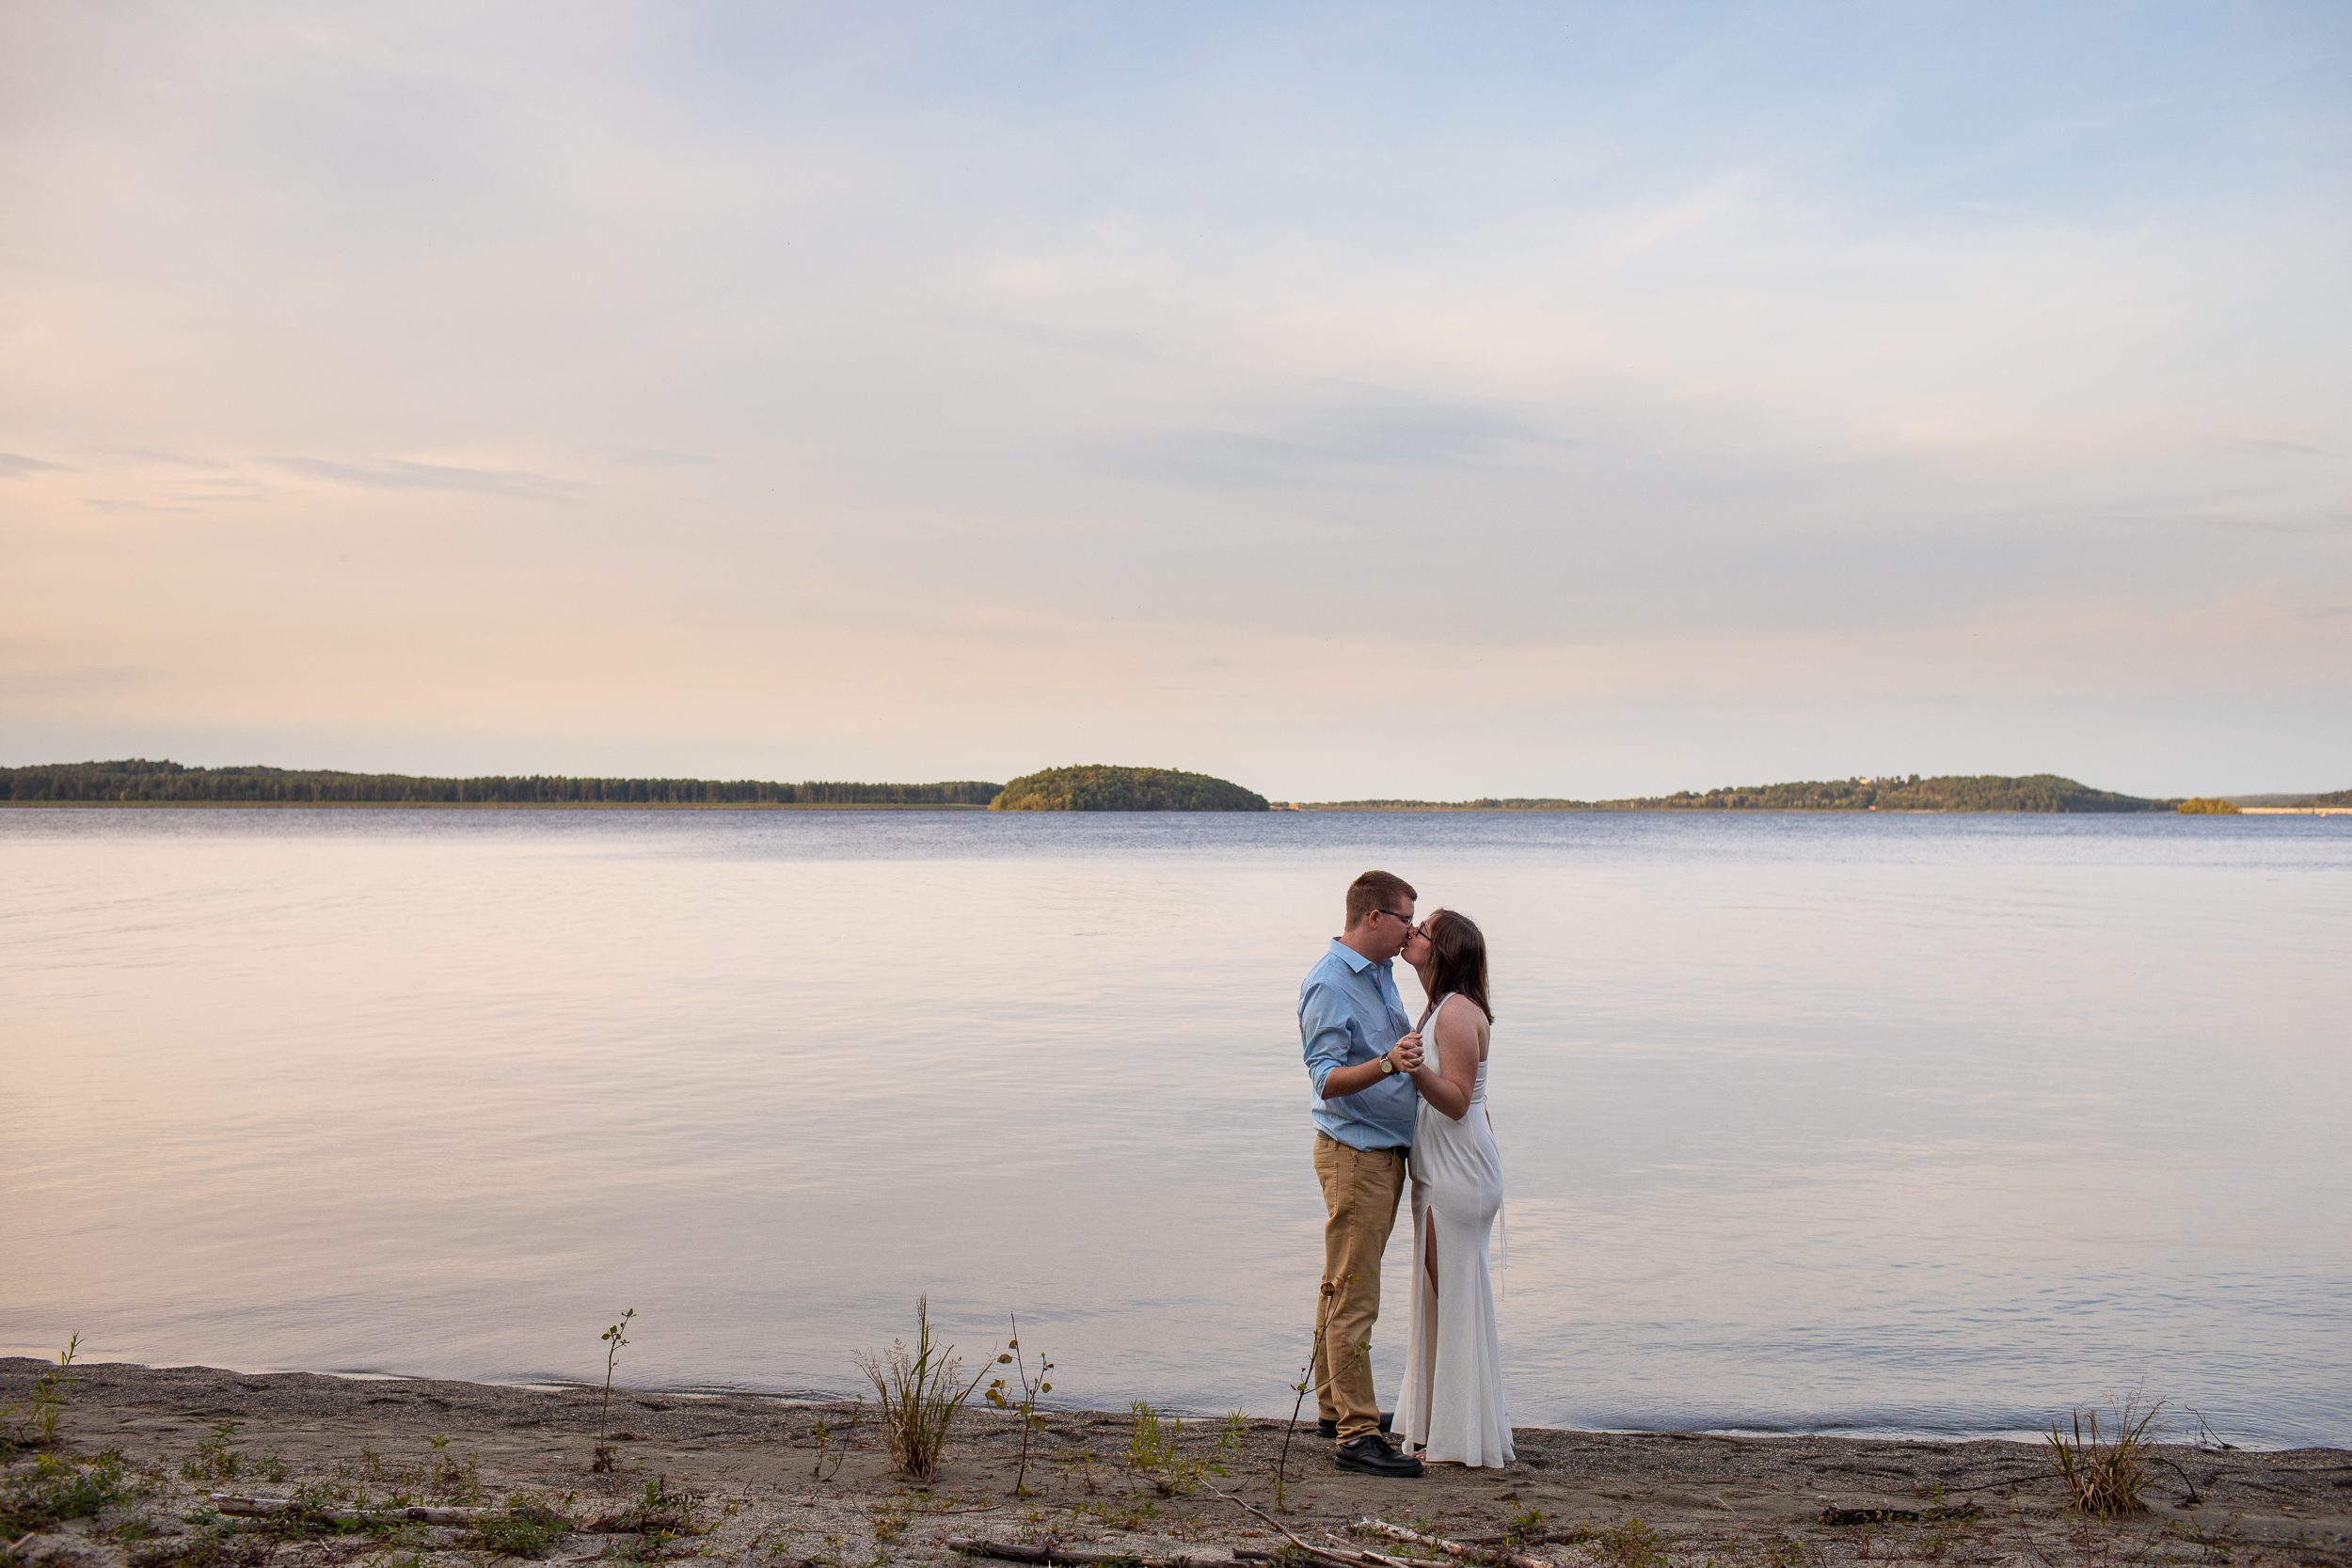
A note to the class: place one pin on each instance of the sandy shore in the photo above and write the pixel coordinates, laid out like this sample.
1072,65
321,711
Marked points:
773,1482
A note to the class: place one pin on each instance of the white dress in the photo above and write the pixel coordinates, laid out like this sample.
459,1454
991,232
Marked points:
1451,1405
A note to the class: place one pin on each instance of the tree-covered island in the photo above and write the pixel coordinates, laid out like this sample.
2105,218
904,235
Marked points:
1103,787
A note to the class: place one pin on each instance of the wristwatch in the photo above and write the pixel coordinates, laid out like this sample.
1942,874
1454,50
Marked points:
1387,1065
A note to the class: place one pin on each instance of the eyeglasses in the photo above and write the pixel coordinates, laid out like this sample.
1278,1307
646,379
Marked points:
1404,920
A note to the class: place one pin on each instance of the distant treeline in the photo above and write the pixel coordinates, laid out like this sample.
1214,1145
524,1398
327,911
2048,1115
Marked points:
168,783
2043,792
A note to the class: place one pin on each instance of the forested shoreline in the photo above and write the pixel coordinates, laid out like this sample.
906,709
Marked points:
1970,792
138,782
1097,788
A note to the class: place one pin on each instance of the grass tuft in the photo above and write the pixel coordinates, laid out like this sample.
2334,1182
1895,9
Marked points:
920,1391
2105,1472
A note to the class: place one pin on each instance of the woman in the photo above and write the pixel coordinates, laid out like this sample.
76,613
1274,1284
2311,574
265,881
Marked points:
1450,1409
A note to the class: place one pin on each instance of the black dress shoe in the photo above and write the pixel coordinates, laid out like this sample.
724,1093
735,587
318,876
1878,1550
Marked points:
1331,1428
1374,1457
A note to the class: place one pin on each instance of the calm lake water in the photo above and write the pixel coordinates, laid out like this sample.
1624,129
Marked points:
1887,1124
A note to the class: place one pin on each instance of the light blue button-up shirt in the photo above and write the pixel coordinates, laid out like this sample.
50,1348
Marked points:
1348,1012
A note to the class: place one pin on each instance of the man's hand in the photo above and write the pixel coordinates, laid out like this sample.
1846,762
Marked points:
1406,1053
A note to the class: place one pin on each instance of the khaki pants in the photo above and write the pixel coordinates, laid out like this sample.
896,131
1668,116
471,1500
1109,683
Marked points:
1359,1190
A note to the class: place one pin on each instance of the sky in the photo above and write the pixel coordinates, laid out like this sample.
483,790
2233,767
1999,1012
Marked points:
1350,400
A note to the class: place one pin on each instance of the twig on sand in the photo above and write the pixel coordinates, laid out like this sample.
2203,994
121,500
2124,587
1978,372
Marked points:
2005,1480
262,1507
1453,1548
1049,1552
1364,1554
1345,1559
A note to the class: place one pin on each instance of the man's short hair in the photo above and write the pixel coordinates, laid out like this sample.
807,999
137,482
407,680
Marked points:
1375,890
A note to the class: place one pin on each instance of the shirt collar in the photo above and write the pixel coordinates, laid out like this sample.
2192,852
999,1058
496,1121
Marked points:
1352,958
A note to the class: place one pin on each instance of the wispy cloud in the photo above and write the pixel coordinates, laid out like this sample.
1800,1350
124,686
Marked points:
13,466
400,474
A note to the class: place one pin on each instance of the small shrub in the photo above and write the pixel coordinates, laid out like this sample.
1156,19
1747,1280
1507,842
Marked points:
216,1547
1134,1517
919,1393
1631,1544
830,1455
1032,1385
446,1481
1077,1462
1524,1528
2105,1473
55,1489
524,1529
216,1457
1154,1448
658,1513
891,1519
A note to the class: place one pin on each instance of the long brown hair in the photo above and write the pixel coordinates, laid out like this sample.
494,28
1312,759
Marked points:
1457,957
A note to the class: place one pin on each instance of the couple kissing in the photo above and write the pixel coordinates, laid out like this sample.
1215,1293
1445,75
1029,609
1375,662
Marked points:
1399,1102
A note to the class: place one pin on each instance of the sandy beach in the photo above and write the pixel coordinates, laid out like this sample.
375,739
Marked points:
746,1479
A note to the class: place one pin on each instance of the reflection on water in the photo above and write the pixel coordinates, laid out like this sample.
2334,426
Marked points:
1920,1123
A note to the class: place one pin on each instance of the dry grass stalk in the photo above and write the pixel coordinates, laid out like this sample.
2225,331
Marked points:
919,1395
2105,1472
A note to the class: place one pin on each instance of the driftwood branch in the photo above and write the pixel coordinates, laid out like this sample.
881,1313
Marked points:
1459,1549
2005,1480
1365,1554
263,1508
1049,1552
1339,1560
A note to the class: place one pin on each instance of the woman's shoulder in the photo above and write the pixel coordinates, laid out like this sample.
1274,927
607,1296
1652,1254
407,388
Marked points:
1467,1015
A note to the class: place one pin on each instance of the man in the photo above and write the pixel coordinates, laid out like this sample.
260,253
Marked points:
1359,1046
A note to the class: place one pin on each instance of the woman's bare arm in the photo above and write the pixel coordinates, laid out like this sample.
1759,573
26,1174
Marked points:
1447,1086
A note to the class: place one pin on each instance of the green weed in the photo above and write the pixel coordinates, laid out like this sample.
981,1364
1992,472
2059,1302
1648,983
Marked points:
49,1395
822,1435
212,1546
1155,1451
56,1488
1524,1528
1306,1382
1127,1516
1032,1385
216,1457
1631,1544
613,1338
524,1530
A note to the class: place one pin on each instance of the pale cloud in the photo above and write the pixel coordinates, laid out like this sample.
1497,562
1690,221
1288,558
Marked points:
401,474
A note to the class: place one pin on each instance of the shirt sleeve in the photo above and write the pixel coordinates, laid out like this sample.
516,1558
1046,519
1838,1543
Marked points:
1323,1034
